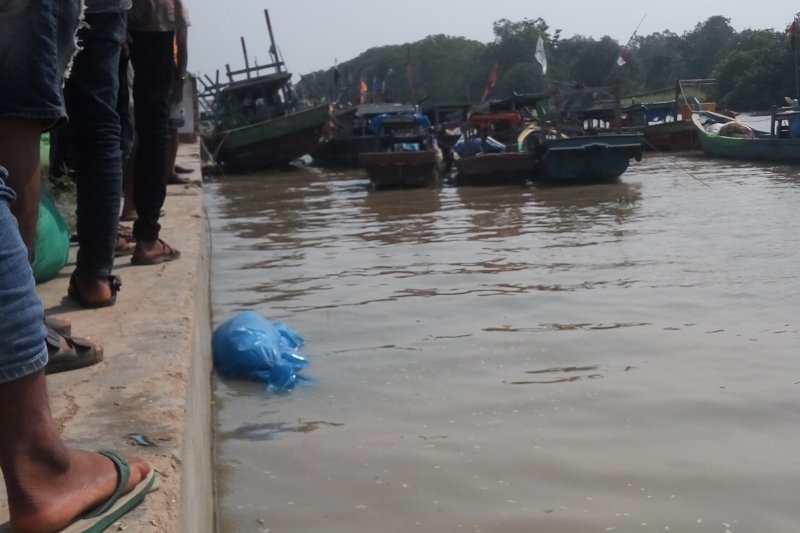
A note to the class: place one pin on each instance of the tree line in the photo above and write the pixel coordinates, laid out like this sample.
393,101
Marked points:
754,69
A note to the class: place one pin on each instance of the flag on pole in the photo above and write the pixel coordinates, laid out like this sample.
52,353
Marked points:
409,70
491,82
540,56
362,90
625,52
624,56
793,30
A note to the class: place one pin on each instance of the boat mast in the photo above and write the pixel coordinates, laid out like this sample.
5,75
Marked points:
273,50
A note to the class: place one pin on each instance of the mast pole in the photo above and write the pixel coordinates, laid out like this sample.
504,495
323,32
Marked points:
273,51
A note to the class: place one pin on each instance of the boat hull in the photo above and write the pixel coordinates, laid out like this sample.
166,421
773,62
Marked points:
678,136
397,170
269,143
495,169
587,159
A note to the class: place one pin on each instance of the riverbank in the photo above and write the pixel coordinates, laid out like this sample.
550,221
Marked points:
155,376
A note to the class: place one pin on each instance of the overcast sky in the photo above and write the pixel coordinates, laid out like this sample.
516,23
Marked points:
314,34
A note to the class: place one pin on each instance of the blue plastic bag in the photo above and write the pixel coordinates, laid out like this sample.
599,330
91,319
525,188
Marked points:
248,346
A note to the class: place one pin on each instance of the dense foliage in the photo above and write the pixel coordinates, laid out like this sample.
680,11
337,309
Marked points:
755,69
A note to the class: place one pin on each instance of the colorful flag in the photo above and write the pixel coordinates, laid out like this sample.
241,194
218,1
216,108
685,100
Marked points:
491,82
409,70
362,90
793,30
624,56
540,56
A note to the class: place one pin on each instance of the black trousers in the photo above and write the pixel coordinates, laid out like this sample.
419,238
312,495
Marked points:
151,54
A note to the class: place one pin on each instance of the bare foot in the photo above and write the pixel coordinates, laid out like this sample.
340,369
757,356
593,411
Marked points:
53,490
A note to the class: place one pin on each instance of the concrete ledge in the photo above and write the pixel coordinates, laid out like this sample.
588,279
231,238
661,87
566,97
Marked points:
155,378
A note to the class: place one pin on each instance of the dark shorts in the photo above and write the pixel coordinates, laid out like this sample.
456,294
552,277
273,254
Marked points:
37,42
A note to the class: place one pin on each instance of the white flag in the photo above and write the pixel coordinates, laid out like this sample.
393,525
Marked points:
539,55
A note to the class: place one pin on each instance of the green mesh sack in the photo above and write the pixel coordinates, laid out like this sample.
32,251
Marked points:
52,240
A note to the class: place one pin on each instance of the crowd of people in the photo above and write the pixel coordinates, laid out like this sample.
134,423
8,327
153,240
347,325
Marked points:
61,64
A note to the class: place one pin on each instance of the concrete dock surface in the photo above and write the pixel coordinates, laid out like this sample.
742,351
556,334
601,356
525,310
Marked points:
155,378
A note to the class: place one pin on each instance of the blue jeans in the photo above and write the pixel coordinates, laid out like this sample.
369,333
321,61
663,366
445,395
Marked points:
37,42
22,331
94,131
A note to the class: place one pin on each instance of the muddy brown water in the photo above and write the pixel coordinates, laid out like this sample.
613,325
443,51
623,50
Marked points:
618,357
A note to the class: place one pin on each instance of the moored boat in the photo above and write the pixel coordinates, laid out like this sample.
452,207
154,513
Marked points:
407,154
257,122
585,159
349,135
723,136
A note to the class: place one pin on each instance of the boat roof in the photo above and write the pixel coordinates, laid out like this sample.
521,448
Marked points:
268,82
377,109
516,101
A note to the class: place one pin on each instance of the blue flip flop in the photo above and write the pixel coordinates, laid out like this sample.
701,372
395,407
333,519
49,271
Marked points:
118,505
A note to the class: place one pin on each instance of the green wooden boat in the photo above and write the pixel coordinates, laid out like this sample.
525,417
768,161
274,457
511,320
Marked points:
725,137
256,120
586,159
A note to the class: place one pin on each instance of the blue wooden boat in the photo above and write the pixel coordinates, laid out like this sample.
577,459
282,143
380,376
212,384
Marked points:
723,136
585,159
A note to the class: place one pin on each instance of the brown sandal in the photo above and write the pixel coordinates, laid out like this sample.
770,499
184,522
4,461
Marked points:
114,282
167,253
69,353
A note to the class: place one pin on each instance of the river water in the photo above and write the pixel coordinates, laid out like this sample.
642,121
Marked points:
619,357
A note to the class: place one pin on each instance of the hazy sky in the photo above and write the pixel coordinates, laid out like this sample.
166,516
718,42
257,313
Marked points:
313,34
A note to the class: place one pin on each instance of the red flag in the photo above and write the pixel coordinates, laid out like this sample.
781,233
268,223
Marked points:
793,30
409,70
624,56
491,82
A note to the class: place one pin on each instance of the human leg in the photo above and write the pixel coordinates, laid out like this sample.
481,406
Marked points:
36,45
151,55
91,95
48,485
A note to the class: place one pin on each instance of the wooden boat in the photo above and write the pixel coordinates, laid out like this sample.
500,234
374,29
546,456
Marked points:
723,136
585,159
407,155
349,136
665,124
257,122
493,150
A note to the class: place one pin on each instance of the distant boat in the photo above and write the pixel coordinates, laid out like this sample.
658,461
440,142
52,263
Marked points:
407,154
257,122
349,134
723,136
665,124
492,150
586,159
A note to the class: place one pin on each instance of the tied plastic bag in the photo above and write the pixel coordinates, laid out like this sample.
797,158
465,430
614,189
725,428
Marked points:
248,346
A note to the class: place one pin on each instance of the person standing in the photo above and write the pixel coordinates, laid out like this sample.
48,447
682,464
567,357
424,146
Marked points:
91,98
48,485
152,25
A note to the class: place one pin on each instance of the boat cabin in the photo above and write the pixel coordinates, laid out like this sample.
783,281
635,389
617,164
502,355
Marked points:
785,123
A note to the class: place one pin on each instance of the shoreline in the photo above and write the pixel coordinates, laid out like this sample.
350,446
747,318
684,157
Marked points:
155,377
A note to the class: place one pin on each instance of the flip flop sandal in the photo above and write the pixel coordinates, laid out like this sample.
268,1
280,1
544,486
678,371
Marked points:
119,503
70,353
167,253
73,292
